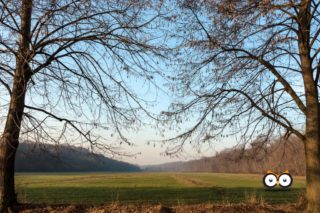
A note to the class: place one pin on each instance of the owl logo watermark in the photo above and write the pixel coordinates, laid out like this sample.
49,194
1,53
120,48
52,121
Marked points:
271,179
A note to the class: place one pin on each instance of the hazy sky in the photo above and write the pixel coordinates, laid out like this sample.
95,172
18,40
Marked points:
154,153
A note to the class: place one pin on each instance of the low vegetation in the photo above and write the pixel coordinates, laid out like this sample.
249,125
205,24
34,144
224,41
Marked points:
150,188
204,208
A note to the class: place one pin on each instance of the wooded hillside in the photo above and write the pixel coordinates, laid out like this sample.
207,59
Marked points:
258,158
33,157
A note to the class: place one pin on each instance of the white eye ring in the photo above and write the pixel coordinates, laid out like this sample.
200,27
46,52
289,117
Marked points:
270,180
285,180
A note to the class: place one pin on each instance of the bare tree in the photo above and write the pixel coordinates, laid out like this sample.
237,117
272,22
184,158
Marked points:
249,69
65,68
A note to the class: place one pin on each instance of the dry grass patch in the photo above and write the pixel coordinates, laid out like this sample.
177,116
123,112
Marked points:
200,208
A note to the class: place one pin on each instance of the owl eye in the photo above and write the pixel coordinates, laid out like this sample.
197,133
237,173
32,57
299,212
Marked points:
270,180
285,180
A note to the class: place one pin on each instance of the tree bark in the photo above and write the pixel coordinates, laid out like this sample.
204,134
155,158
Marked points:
10,141
312,144
10,138
312,148
312,133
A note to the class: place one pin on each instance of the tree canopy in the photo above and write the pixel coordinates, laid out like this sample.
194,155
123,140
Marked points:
239,69
82,57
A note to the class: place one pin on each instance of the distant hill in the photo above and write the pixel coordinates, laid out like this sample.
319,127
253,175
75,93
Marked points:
32,157
258,158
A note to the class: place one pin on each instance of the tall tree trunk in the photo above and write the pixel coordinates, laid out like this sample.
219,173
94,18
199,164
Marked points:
312,139
9,145
312,146
10,138
312,133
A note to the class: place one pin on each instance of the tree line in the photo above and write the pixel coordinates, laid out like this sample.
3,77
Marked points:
33,157
258,158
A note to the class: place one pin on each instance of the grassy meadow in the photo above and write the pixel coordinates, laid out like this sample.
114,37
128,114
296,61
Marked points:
149,188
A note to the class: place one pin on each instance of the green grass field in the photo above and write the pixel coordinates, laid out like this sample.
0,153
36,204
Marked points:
149,188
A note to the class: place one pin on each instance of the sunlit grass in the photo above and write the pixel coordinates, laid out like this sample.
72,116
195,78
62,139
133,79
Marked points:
167,188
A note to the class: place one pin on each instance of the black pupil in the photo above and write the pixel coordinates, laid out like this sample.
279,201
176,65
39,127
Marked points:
270,180
284,180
